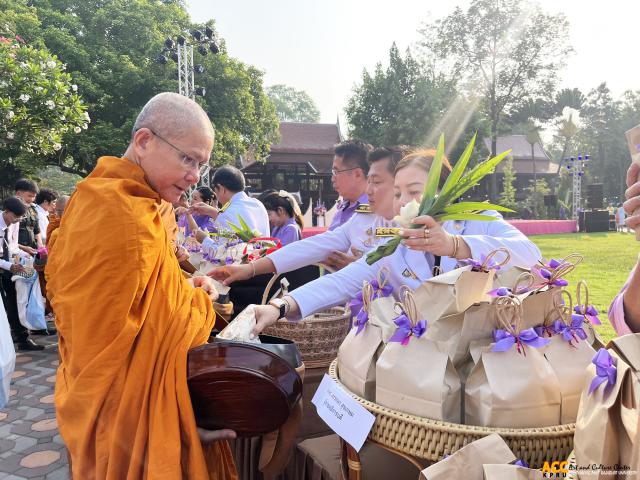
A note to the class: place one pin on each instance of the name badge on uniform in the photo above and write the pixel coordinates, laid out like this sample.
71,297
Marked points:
364,208
387,231
409,274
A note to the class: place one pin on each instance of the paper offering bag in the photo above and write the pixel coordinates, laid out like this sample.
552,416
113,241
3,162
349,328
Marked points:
599,424
359,351
511,384
510,472
414,374
628,348
455,291
467,462
569,354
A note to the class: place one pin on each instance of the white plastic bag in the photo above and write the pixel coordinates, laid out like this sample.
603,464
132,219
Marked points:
30,302
7,357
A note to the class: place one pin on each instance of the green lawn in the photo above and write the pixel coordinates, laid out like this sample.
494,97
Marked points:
608,259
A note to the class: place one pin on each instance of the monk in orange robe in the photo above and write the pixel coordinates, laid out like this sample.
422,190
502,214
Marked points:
126,317
54,219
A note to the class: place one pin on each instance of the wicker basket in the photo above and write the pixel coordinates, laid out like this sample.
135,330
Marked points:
432,439
318,336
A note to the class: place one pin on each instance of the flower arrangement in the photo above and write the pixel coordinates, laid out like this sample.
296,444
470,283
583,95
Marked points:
440,205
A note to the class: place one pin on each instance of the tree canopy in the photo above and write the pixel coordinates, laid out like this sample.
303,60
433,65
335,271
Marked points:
293,105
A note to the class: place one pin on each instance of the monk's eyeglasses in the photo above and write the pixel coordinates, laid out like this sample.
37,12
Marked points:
188,161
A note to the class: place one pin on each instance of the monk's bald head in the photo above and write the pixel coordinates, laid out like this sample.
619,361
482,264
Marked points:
172,115
61,204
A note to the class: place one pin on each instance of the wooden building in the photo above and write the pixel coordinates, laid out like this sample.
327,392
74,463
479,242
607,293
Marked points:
525,165
300,162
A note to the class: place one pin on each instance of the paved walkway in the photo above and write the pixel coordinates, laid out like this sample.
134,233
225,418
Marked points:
30,446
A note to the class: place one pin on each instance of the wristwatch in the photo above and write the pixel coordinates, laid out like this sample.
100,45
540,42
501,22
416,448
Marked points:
281,305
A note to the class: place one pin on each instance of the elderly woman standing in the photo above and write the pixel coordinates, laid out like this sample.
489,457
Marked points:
624,311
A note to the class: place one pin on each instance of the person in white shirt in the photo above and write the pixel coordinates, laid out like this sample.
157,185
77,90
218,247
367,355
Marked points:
13,209
228,184
413,261
358,235
45,204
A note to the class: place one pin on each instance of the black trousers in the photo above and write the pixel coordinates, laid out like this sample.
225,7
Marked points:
9,299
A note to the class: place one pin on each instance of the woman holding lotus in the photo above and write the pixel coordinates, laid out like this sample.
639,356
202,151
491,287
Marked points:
436,231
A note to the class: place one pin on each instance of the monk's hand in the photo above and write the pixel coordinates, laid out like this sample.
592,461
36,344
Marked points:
428,237
266,315
181,210
208,436
206,284
232,273
632,195
182,254
338,260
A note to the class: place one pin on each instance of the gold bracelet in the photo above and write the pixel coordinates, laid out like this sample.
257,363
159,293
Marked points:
456,246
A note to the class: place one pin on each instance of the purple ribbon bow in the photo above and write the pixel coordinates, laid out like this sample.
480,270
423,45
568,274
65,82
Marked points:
605,370
361,320
228,260
480,265
521,463
500,292
405,330
355,305
543,330
558,282
553,264
571,332
504,340
379,292
591,313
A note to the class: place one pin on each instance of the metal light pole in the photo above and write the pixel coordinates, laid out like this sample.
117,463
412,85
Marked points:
181,52
576,166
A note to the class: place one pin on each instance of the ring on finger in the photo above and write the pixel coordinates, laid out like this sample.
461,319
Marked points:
426,240
427,232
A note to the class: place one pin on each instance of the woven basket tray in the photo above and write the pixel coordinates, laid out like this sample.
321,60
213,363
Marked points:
318,336
432,439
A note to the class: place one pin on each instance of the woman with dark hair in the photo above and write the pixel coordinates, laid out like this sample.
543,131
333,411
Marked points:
285,217
203,222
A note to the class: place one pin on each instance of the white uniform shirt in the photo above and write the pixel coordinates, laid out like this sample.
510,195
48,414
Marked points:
357,233
251,210
43,222
12,239
411,268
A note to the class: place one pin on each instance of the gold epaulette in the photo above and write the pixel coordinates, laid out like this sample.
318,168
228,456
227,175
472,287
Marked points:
387,231
364,208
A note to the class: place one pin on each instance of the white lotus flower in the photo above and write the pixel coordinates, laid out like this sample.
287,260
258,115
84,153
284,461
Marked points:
85,126
11,135
51,104
87,117
77,129
57,146
51,64
38,89
407,213
74,87
24,98
10,114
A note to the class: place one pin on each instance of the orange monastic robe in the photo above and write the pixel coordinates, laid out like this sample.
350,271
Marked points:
54,223
126,318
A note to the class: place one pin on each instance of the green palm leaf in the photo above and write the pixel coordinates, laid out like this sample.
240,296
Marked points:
459,167
465,216
433,179
474,206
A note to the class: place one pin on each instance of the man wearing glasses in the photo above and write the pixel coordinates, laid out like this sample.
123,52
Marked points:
126,316
349,179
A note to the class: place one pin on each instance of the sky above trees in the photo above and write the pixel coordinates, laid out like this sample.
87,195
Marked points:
322,47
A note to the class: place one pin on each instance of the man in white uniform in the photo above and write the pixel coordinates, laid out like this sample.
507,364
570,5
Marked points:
364,231
228,184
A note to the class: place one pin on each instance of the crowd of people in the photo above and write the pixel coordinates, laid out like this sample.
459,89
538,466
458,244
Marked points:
126,316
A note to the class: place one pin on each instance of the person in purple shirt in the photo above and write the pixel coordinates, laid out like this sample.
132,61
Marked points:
201,195
349,179
285,216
